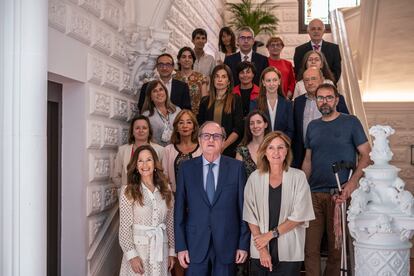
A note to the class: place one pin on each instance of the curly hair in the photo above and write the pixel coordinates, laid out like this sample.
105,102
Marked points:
133,190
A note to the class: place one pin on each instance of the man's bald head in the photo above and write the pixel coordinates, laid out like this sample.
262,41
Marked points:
312,78
316,29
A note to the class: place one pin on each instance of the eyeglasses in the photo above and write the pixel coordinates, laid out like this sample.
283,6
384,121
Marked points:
207,136
246,38
328,99
164,65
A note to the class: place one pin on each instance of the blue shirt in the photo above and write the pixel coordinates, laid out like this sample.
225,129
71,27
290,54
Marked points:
330,142
215,171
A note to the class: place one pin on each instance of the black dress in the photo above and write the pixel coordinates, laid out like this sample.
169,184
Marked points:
279,268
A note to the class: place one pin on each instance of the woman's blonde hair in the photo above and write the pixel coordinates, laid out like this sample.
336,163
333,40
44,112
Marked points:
175,136
262,161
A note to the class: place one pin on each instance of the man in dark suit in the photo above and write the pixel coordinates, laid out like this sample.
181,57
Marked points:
210,234
246,41
305,110
177,90
316,29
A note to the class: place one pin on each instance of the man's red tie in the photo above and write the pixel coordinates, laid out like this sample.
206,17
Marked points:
316,47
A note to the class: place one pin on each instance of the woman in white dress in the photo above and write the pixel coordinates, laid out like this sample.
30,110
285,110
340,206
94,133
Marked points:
139,133
146,229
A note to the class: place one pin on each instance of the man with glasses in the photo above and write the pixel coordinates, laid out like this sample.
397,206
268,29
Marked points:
316,29
210,234
177,90
246,53
334,137
305,110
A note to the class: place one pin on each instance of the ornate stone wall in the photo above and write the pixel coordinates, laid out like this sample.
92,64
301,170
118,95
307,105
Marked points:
108,48
186,15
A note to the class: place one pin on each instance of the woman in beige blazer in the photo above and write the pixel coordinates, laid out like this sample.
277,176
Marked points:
140,133
278,208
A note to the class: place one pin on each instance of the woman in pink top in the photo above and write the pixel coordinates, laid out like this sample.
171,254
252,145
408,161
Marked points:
275,46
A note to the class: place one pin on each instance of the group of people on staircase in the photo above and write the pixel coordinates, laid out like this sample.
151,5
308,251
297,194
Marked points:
227,170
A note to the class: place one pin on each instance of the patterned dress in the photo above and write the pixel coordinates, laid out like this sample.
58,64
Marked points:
146,231
249,164
195,82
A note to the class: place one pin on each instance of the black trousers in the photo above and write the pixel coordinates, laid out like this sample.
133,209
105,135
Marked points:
279,269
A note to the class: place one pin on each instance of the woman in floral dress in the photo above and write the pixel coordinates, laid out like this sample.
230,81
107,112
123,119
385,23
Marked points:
197,82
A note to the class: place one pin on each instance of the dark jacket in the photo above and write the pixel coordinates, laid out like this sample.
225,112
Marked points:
180,95
298,145
331,52
259,61
231,122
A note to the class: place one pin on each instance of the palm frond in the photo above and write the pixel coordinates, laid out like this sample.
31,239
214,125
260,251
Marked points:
260,18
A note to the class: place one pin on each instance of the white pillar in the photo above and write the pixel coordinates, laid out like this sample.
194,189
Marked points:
23,101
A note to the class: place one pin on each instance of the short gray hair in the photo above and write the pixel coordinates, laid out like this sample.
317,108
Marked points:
245,29
223,131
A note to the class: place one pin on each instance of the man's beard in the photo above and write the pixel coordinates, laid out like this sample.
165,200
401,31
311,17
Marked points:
326,110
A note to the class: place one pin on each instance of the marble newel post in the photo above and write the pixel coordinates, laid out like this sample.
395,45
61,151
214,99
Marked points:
381,215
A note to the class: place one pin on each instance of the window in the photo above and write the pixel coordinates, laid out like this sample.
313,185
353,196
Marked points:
310,9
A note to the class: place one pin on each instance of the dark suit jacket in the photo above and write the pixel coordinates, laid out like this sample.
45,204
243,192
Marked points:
298,145
180,95
331,52
197,222
232,122
284,116
259,61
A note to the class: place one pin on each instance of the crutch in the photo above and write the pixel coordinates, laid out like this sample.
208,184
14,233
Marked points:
337,167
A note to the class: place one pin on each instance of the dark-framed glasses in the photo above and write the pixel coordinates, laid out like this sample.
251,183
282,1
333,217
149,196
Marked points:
328,99
164,65
207,136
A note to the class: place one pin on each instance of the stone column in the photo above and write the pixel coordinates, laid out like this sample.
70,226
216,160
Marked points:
23,101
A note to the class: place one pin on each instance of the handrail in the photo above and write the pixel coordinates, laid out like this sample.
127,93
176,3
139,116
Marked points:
348,84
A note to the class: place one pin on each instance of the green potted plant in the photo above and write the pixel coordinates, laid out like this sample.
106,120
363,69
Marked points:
259,16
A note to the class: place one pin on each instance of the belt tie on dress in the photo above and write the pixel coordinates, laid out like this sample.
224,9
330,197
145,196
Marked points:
155,235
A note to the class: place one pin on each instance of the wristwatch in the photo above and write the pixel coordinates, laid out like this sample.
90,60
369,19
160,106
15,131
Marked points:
275,233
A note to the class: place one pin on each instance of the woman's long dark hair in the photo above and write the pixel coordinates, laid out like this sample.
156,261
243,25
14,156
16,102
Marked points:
133,190
221,45
149,104
229,98
326,71
248,136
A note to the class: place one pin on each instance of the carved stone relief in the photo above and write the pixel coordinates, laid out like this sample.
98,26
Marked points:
95,70
57,15
100,103
94,133
99,168
102,39
95,223
112,76
110,137
112,14
80,26
119,109
93,6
